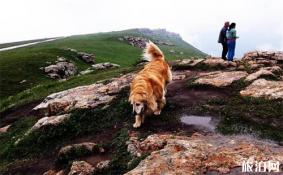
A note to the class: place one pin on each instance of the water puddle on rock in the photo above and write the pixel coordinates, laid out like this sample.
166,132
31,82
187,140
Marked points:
202,123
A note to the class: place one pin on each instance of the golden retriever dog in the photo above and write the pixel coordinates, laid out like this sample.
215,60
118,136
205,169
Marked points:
148,88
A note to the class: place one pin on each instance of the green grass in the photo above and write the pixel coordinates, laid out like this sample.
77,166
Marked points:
24,63
249,115
49,138
44,89
7,139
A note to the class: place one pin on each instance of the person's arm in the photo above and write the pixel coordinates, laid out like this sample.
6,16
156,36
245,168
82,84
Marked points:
234,34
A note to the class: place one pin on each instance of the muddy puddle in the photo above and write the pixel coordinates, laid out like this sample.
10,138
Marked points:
201,123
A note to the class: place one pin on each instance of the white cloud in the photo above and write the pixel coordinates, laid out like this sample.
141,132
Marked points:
198,21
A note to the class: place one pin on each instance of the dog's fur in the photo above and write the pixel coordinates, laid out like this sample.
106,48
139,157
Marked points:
149,86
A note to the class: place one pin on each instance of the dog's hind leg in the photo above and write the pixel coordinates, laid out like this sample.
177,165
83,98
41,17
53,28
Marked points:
138,121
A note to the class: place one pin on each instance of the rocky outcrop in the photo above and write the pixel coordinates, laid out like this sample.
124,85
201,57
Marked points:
257,59
219,78
139,42
86,57
82,97
81,168
164,32
200,154
265,71
210,62
62,69
106,65
264,55
264,88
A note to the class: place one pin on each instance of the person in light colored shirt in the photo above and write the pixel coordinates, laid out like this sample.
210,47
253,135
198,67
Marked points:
231,36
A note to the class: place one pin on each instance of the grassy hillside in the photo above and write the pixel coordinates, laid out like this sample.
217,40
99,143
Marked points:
24,63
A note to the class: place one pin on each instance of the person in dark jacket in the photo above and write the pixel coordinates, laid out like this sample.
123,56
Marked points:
223,40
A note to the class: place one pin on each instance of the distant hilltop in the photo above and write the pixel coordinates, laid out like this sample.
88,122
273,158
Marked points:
148,31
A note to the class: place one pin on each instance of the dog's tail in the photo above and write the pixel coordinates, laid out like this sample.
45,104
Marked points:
152,52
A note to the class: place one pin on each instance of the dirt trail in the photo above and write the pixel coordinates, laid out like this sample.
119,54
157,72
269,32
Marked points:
12,115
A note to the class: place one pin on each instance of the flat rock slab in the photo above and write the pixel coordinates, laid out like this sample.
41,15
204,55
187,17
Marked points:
53,120
82,97
213,62
172,154
219,78
265,71
264,88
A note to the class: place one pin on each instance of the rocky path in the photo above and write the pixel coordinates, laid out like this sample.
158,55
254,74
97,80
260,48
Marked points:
208,99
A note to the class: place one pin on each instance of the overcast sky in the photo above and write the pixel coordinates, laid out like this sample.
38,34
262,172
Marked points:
259,22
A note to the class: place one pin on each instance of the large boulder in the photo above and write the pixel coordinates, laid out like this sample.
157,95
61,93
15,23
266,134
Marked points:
198,154
219,78
264,88
62,69
89,96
